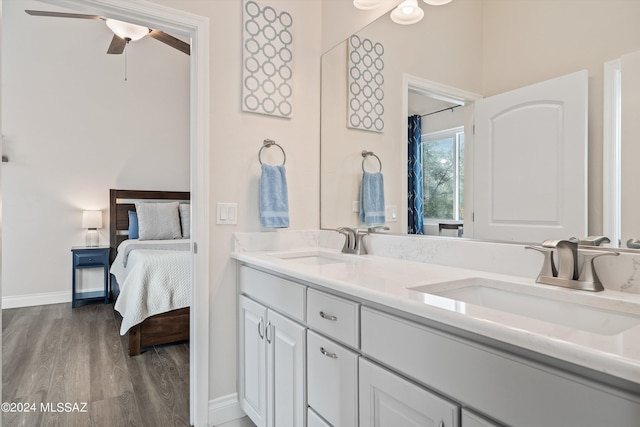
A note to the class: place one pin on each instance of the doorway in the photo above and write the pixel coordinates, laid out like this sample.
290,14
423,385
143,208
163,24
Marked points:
423,97
197,29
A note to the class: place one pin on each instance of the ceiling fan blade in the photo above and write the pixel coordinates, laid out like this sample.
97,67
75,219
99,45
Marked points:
117,45
61,14
171,41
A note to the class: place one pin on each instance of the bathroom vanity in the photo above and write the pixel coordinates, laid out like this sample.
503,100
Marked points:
331,339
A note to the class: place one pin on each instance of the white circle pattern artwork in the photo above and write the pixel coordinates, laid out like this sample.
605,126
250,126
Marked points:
267,60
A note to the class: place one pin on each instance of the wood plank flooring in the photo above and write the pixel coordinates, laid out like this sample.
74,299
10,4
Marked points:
54,354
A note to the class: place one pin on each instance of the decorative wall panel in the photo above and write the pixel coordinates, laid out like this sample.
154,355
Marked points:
365,85
267,60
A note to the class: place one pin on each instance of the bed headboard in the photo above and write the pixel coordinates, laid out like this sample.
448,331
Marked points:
122,201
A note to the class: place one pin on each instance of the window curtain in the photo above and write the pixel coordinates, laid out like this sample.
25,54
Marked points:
415,209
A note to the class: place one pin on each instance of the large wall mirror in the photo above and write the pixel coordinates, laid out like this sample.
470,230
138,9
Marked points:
465,50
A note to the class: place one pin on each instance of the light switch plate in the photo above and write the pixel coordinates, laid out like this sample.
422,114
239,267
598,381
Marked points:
227,213
391,213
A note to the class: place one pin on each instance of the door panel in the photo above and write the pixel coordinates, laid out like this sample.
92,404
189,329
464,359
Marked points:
530,160
286,366
253,361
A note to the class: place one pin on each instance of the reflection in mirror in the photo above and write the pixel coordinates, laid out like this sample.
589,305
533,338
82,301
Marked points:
485,47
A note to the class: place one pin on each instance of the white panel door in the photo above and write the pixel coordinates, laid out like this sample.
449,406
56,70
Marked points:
333,380
387,400
286,347
530,162
252,389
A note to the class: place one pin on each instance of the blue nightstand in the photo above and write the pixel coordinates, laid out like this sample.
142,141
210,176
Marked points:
90,257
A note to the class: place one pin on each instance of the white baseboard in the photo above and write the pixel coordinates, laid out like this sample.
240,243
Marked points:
224,409
36,299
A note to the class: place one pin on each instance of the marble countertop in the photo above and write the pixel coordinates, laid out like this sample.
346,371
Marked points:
388,281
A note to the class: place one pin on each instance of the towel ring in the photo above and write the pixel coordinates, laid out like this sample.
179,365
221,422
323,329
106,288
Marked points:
268,143
366,154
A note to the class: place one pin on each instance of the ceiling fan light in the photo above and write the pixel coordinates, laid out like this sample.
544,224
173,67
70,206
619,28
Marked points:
125,30
406,13
436,2
366,4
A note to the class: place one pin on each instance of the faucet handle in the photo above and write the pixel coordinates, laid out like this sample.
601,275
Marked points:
377,229
548,267
588,273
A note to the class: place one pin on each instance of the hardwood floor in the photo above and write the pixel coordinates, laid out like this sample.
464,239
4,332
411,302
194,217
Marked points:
54,356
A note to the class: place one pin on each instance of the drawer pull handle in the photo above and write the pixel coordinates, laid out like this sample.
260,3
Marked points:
326,353
328,316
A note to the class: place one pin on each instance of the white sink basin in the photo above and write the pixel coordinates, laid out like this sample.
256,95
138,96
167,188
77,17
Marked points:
315,258
517,299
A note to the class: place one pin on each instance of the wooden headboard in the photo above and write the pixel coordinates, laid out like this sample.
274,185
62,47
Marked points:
123,201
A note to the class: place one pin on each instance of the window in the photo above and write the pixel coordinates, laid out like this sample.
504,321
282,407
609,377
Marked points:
443,174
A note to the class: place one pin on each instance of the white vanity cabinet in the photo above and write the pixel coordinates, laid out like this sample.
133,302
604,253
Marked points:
387,400
272,355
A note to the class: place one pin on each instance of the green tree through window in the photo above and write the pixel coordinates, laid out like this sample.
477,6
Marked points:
443,174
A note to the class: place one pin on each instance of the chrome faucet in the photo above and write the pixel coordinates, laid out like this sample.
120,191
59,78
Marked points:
353,240
567,273
349,239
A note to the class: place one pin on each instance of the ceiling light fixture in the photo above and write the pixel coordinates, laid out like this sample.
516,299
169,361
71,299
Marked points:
436,2
127,31
406,13
366,4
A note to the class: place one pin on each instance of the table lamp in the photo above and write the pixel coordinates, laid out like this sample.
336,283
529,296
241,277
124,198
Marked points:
92,220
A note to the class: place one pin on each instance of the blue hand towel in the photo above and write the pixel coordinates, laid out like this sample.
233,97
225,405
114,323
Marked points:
274,202
372,199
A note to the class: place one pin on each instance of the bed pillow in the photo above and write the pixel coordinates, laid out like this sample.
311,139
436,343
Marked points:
185,219
158,221
133,225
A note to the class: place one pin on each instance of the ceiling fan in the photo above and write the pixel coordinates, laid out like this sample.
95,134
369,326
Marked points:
123,32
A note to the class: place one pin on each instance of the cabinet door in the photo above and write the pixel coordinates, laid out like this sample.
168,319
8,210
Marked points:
286,356
333,381
471,419
252,365
387,400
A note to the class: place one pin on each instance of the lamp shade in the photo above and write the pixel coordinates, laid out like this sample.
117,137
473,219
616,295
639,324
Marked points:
406,13
91,219
366,4
125,30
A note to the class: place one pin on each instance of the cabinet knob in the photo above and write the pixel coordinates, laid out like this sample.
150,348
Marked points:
328,316
326,353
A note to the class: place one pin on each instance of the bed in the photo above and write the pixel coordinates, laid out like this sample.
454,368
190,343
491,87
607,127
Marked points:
151,314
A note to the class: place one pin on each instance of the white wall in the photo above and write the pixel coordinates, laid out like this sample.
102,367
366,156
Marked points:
528,41
73,128
236,138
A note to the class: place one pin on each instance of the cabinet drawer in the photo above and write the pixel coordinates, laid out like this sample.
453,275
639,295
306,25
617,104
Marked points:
332,381
335,316
88,259
280,294
314,420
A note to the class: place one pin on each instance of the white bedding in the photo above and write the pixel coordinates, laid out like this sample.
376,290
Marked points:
156,278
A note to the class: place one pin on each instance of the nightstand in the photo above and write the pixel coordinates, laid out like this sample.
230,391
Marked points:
90,257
